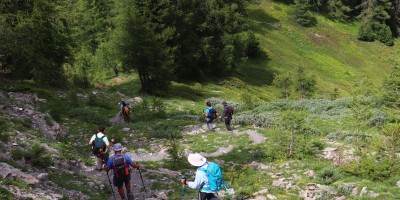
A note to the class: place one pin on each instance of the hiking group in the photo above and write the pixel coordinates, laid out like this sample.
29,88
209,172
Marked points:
211,114
120,163
208,179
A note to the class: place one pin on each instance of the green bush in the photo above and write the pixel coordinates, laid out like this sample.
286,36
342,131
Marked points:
329,175
16,182
4,137
384,34
365,33
35,154
17,153
5,194
88,115
99,100
25,123
40,157
253,48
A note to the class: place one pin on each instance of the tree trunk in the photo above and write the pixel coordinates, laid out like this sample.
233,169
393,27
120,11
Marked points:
394,18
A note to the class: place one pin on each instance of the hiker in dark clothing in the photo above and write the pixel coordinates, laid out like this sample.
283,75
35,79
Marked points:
121,165
227,115
116,71
125,110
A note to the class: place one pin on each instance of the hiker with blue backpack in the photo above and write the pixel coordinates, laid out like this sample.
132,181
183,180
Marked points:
100,145
210,113
208,178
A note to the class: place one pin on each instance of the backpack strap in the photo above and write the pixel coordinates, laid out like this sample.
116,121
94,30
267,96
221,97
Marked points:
203,184
115,168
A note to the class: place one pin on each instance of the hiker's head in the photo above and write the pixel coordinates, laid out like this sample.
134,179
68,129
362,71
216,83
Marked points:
196,159
224,103
102,128
117,147
208,104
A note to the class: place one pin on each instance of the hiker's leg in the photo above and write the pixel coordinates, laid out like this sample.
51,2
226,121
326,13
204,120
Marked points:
201,196
228,125
121,192
119,184
99,162
210,196
209,126
128,185
105,158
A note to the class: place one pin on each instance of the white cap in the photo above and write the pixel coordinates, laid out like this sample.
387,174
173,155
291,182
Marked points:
196,159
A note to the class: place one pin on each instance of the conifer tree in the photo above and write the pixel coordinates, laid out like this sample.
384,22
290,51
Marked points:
302,13
139,49
305,84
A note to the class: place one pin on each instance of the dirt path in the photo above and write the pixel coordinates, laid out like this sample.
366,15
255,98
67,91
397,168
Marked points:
136,181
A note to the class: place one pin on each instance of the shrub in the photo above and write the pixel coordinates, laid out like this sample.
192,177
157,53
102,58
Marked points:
365,33
176,154
378,118
158,108
329,175
40,157
5,194
18,154
4,137
87,115
384,34
252,45
166,130
345,189
26,123
36,154
99,100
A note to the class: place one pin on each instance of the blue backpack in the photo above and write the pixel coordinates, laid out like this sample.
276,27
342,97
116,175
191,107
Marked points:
214,175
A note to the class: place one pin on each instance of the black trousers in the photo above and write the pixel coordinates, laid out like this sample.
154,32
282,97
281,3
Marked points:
207,196
228,124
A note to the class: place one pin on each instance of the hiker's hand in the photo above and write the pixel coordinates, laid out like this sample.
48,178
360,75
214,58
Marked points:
183,181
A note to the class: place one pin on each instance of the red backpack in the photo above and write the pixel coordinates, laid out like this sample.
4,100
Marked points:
121,168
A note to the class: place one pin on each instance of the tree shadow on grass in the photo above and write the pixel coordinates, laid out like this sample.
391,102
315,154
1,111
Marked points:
255,73
185,92
261,21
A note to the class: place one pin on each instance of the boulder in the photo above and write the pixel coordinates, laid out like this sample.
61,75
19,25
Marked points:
8,171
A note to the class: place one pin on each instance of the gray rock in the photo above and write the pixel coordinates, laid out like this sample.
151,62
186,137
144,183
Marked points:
91,184
126,129
270,196
261,192
363,191
9,171
43,176
398,183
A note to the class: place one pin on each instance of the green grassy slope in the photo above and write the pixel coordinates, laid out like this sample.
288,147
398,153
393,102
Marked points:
330,50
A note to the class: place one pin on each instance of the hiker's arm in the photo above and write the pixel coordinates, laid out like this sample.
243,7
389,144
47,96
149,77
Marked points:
107,169
200,178
108,166
91,140
135,165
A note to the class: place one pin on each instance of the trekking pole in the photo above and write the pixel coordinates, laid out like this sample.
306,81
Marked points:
183,186
140,173
110,185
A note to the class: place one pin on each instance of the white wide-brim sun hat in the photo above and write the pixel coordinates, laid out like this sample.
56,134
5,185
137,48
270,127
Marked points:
196,159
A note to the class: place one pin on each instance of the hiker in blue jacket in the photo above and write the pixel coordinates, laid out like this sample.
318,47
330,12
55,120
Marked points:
209,115
201,181
121,165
